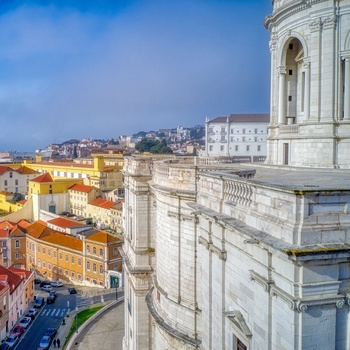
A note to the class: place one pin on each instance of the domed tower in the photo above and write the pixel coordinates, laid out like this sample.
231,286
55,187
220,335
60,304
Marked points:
310,83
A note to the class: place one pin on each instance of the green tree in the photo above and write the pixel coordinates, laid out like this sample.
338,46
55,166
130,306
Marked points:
17,197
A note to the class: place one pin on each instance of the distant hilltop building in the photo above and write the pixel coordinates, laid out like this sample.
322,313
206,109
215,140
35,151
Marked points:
242,136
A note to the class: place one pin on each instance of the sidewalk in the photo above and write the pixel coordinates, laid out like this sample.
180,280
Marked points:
106,327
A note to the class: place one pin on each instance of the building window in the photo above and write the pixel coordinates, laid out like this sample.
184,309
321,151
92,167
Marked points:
60,270
259,148
79,278
290,72
38,249
290,98
94,250
16,182
231,131
49,266
248,147
94,268
223,139
11,175
60,256
55,269
72,259
115,251
210,148
39,263
236,148
243,138
101,270
101,252
66,272
243,131
5,182
44,264
88,265
17,255
221,148
49,252
66,257
79,261
17,244
44,250
73,275
88,248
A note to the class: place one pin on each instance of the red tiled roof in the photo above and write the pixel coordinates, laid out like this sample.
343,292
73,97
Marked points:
23,223
26,170
64,240
64,223
23,201
46,177
103,237
81,188
72,165
21,272
4,169
12,279
6,193
102,203
39,229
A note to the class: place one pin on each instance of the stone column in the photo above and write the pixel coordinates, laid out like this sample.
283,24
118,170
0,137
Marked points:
347,88
282,95
307,90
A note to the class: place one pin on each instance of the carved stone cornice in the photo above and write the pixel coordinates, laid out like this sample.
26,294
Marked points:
165,325
329,22
297,303
222,254
315,25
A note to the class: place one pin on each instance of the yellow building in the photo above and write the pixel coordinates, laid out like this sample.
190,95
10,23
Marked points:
99,210
49,194
79,197
87,258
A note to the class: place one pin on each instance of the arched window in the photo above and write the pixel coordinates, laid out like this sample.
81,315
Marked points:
94,250
101,252
17,244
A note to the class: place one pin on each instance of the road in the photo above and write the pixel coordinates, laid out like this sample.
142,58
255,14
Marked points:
52,315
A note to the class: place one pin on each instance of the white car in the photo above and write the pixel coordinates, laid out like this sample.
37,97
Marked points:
25,321
47,288
12,340
32,312
56,284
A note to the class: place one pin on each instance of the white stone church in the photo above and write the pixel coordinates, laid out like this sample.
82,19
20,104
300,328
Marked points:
253,256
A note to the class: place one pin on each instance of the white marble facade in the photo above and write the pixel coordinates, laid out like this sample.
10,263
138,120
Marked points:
253,256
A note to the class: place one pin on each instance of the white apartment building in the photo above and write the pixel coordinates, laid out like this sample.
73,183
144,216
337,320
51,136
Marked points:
253,256
242,136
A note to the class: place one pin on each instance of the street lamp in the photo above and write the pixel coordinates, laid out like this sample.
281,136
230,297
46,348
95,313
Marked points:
76,320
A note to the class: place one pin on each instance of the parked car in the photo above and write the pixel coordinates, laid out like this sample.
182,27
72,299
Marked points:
4,346
32,312
51,332
53,294
50,299
37,280
57,284
72,291
47,288
18,330
39,302
25,321
44,283
12,340
45,342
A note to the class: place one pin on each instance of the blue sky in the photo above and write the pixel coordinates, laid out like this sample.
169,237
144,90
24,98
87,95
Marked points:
99,69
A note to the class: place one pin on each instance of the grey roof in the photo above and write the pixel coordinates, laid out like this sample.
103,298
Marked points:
243,118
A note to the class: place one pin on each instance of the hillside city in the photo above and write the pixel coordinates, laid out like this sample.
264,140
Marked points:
232,235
